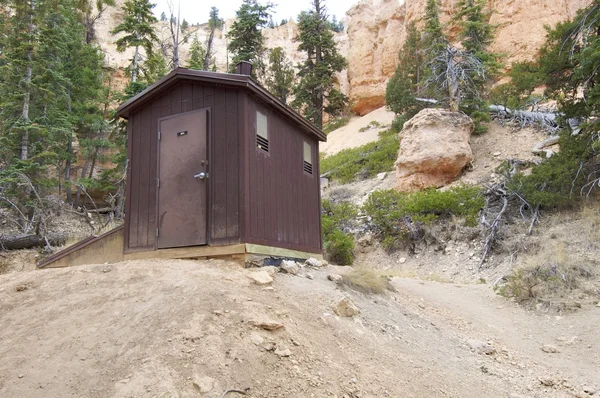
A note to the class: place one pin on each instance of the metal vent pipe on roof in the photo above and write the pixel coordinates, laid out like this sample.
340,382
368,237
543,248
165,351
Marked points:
244,68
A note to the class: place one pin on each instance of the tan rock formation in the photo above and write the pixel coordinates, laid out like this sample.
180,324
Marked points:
434,149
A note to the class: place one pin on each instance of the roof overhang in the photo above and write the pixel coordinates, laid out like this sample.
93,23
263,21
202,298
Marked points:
227,79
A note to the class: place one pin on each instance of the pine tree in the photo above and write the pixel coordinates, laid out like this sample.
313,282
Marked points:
214,23
435,43
403,87
246,41
197,55
476,35
138,30
163,16
316,92
280,74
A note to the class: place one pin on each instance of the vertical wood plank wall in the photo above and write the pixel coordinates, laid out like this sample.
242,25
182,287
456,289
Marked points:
284,210
224,164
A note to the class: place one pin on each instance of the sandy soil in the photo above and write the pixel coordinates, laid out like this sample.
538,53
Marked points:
186,328
350,135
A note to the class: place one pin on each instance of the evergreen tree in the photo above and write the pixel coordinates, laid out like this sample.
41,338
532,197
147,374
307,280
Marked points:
476,35
197,55
316,92
280,74
163,16
184,25
246,41
138,30
403,87
435,44
214,23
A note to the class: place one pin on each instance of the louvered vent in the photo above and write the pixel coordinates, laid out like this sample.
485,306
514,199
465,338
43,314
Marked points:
307,167
262,143
262,132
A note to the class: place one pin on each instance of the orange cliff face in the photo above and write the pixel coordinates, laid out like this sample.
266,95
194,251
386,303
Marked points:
375,32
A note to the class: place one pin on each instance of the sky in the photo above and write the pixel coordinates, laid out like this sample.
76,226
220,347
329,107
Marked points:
195,11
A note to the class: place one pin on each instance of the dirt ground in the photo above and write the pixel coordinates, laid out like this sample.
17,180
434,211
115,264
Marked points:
187,328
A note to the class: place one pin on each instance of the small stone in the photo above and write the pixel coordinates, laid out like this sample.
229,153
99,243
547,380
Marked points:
271,270
203,384
550,349
482,347
268,325
256,339
313,262
218,312
325,263
310,276
269,289
283,352
21,376
589,390
381,176
334,277
261,277
598,305
289,266
346,308
21,288
496,154
402,260
547,381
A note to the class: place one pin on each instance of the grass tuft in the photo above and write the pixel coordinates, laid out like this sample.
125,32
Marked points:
367,280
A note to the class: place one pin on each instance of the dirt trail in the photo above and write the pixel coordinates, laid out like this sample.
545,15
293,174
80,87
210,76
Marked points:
186,329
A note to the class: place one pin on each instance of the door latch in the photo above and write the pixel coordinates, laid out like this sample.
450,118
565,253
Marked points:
201,176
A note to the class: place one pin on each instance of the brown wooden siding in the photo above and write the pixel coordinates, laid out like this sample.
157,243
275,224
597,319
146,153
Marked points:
224,162
283,206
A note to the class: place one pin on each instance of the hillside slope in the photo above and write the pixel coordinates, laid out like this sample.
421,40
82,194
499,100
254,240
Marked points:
187,328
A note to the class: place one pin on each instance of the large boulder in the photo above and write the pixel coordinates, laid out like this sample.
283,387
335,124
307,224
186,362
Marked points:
434,149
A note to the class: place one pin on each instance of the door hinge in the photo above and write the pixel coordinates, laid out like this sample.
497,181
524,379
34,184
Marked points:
157,232
158,183
159,135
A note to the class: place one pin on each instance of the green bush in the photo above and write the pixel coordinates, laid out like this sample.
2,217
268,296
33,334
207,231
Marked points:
398,123
335,124
339,246
393,214
556,182
365,161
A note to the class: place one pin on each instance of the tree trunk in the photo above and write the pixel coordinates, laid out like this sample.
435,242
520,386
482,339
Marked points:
318,59
68,190
209,44
18,242
134,71
79,190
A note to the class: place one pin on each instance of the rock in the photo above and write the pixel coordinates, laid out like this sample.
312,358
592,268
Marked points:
550,349
434,149
589,390
310,276
334,277
402,260
346,308
218,312
547,381
381,176
325,263
203,384
313,262
598,305
261,277
283,352
324,182
268,325
271,270
257,340
481,347
289,267
496,154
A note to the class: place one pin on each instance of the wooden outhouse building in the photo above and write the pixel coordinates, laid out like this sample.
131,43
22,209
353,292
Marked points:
218,166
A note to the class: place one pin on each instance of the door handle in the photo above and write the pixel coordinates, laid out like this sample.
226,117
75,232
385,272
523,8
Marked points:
201,176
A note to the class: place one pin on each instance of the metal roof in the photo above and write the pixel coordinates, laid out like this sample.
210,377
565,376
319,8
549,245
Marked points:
229,79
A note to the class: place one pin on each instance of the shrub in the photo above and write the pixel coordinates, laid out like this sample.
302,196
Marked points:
395,216
335,124
336,219
339,248
365,161
398,123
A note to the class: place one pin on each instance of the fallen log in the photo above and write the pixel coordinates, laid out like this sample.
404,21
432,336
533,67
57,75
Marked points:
17,242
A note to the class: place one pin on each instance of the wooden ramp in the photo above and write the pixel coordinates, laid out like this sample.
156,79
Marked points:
105,248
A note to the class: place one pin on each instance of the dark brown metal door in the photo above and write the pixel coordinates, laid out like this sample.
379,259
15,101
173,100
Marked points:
183,180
